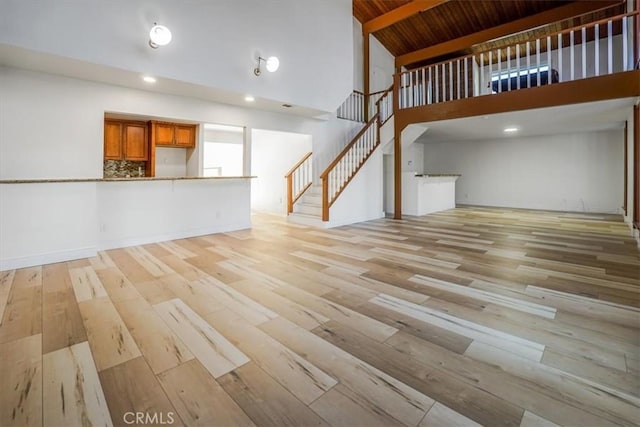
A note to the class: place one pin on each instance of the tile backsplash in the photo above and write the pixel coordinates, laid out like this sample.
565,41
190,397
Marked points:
123,169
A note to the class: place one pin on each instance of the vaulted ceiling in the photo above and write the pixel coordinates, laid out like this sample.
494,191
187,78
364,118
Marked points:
448,20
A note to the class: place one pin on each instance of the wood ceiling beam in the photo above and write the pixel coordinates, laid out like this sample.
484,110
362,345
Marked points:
398,14
553,15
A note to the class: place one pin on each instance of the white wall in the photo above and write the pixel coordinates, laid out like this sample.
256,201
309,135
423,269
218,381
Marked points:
362,198
215,43
381,62
571,172
413,158
171,161
52,126
329,140
272,156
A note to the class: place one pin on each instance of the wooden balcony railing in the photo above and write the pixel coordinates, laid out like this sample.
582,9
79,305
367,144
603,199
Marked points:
299,179
345,166
589,50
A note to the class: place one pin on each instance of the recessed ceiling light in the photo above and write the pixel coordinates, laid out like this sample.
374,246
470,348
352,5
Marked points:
511,130
149,79
249,98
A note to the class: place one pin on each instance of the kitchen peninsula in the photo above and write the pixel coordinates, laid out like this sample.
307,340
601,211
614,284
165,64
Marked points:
428,193
75,218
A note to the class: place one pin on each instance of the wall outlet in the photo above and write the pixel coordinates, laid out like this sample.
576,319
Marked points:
103,227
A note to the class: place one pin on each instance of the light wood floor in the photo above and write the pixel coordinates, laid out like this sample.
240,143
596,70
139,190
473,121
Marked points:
471,316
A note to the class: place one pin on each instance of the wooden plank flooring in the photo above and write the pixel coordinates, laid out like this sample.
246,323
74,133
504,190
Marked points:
474,316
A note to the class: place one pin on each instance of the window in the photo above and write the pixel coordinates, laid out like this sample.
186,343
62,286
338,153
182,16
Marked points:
504,81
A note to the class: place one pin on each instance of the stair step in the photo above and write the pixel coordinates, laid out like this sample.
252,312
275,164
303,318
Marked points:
308,208
305,219
311,199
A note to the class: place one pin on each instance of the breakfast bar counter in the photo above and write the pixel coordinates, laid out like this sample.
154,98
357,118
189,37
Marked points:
73,218
428,193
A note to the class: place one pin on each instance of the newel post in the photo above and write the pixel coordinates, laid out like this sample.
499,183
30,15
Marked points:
289,193
325,198
397,150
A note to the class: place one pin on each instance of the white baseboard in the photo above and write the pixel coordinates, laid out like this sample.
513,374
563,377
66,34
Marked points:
48,258
155,238
73,254
353,220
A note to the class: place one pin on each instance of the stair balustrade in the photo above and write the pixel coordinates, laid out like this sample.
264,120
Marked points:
353,107
384,105
344,167
342,170
589,50
299,179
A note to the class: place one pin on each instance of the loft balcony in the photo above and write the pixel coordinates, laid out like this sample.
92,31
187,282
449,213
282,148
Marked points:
591,62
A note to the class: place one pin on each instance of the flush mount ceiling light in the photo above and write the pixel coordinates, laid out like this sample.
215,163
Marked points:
159,36
249,98
510,129
149,79
272,64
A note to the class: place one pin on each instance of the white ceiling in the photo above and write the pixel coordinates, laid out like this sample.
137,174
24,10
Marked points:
575,118
13,56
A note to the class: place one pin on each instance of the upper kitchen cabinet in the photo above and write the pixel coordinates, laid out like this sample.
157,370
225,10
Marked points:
125,140
112,140
173,134
136,142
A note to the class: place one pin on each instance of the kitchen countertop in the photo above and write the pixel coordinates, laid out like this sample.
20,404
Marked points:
174,178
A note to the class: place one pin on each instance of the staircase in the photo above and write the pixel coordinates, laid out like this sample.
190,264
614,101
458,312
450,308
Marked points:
308,209
312,205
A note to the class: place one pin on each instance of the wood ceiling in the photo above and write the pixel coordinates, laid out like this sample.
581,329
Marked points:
451,20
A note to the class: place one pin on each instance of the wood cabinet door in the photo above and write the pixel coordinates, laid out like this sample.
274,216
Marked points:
136,146
185,136
164,133
112,140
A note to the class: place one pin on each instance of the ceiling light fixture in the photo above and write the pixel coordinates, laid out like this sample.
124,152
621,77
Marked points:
159,36
510,130
249,98
149,79
272,64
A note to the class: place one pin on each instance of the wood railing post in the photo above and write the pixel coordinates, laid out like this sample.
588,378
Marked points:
289,194
325,198
397,151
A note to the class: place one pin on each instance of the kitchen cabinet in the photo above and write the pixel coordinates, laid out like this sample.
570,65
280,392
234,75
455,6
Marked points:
112,140
166,134
136,143
125,140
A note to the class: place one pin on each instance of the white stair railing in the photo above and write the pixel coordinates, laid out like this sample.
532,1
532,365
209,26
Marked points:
299,179
352,108
342,170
